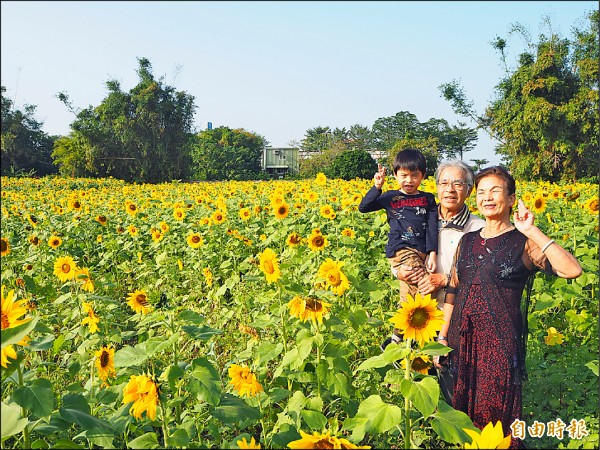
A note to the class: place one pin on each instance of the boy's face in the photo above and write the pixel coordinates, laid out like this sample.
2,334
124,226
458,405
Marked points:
408,180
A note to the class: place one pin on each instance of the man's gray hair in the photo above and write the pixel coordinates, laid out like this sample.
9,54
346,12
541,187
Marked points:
469,175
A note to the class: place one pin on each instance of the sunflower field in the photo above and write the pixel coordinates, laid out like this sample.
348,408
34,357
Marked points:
250,314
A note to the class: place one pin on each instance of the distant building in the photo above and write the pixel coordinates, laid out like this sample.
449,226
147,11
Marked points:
280,161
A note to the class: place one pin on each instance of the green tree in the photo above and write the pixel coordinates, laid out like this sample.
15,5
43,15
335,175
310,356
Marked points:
545,114
25,147
429,147
142,135
359,137
316,140
226,154
352,164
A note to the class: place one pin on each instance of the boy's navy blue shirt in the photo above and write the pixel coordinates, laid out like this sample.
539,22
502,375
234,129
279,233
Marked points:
413,219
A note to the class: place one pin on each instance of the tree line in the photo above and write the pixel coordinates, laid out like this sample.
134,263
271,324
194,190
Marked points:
544,116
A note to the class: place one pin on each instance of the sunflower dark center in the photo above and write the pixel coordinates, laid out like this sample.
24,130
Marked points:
538,203
323,443
314,305
66,268
104,358
318,241
141,299
419,364
5,321
282,210
594,205
195,239
4,245
419,318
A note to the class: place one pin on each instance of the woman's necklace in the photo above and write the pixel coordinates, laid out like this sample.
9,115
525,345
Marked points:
503,230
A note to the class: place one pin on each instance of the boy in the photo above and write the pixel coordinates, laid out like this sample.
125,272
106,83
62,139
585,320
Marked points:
412,216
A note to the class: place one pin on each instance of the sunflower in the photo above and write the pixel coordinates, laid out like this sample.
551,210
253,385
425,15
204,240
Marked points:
244,381
102,220
419,318
420,364
179,214
308,308
293,239
327,212
11,313
32,220
34,240
120,229
245,214
65,268
319,440
281,211
218,217
539,204
105,362
242,443
592,205
132,229
321,179
75,204
92,319
348,232
317,242
131,208
490,437
195,240
11,310
164,226
269,265
138,301
54,242
5,247
331,272
311,196
208,276
157,236
143,392
554,337
83,275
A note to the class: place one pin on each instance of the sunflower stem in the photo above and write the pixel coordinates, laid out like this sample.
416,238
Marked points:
318,360
164,422
26,440
407,430
283,332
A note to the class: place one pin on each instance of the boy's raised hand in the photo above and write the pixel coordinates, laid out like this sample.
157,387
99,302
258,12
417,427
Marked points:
379,177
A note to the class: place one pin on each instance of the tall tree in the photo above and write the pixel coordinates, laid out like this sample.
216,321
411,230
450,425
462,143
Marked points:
142,135
545,114
25,147
386,131
316,140
226,154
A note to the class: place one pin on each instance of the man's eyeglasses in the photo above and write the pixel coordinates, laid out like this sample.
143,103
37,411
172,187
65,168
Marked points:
457,184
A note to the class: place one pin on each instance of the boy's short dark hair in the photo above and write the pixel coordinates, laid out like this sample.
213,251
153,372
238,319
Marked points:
410,159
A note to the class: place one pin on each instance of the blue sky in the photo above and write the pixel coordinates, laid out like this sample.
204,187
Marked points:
273,68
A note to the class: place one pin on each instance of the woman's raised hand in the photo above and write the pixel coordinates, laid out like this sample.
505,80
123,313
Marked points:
522,217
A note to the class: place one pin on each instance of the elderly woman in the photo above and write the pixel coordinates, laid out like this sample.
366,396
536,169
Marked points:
484,323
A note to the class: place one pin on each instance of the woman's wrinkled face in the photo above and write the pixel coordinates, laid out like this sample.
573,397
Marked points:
493,199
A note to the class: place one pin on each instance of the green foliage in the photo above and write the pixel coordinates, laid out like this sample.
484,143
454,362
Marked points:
143,135
352,164
226,154
545,114
25,147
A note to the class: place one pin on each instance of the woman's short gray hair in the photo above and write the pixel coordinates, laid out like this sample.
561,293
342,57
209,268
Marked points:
469,175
